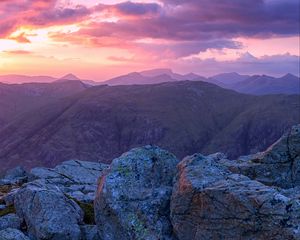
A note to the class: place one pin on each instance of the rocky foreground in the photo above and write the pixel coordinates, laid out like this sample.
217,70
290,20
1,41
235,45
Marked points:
147,193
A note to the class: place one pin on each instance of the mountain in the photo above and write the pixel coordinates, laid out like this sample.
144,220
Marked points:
19,98
263,84
152,77
229,78
70,76
169,72
12,78
18,79
159,71
185,117
256,85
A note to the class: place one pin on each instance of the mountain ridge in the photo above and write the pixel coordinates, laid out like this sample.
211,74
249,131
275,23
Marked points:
103,121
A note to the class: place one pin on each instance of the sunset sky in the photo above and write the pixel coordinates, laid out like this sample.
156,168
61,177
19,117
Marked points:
97,39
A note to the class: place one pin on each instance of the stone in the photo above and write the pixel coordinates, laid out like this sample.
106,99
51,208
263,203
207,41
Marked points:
16,175
10,221
82,172
10,197
12,234
41,172
211,202
133,196
48,213
278,166
77,179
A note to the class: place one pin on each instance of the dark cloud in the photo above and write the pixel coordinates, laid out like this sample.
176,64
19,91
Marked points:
131,8
187,48
199,20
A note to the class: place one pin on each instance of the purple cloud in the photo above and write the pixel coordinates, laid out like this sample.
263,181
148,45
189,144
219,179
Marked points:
15,13
276,65
131,8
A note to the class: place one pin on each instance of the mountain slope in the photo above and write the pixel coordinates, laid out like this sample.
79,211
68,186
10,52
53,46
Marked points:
20,98
184,117
152,77
13,78
260,85
229,78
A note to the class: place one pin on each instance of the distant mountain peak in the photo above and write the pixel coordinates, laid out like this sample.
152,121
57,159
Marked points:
70,76
156,72
289,75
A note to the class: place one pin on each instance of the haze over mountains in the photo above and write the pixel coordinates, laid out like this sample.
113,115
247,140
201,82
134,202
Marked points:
99,123
16,99
46,123
256,84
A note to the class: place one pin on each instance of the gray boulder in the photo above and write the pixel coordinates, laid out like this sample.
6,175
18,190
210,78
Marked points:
78,179
12,234
10,221
48,213
278,166
210,202
9,198
133,197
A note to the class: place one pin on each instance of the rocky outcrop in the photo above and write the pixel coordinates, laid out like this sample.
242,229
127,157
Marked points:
77,179
146,195
133,197
48,213
56,203
278,166
210,202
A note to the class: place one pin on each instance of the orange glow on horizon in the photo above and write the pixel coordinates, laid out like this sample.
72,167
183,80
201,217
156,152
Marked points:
101,39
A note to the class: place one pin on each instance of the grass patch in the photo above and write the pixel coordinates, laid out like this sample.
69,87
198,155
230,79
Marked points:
88,209
6,189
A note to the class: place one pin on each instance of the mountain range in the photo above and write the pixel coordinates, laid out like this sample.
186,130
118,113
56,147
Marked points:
98,123
256,84
16,99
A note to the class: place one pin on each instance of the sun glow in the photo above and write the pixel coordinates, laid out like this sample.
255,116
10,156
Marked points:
9,45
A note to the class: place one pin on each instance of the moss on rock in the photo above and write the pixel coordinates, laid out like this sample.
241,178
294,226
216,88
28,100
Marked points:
7,210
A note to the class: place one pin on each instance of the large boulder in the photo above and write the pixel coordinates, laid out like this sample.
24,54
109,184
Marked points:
48,213
278,166
133,197
12,234
210,202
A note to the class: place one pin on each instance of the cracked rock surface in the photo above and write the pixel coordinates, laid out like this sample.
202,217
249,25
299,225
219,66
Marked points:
133,197
278,166
211,202
147,194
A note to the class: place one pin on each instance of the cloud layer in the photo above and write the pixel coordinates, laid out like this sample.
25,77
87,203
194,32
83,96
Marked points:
162,30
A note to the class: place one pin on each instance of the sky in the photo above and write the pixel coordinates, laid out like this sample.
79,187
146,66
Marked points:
99,39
